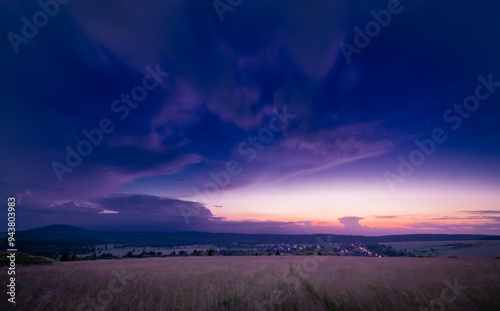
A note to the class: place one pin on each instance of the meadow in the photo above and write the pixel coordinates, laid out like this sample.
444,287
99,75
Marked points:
462,249
260,283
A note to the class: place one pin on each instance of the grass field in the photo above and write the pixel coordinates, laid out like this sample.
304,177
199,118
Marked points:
462,249
260,283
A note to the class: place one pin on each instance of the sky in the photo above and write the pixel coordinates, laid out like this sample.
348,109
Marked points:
342,117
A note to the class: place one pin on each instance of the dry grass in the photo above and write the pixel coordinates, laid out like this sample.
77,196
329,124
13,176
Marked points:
259,283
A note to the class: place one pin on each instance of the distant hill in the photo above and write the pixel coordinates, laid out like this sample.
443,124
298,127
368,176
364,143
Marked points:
54,232
70,238
63,232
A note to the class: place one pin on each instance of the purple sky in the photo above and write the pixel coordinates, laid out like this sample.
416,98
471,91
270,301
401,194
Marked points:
257,123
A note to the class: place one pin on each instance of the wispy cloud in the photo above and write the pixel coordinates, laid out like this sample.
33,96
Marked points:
482,212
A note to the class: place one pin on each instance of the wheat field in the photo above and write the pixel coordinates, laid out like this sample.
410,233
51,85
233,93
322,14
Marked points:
260,283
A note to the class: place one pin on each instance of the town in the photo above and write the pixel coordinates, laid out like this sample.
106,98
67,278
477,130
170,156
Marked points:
236,249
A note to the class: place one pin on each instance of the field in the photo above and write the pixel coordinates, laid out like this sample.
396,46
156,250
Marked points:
462,249
137,250
260,283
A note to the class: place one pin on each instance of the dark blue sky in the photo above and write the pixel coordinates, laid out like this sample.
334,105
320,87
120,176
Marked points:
200,88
